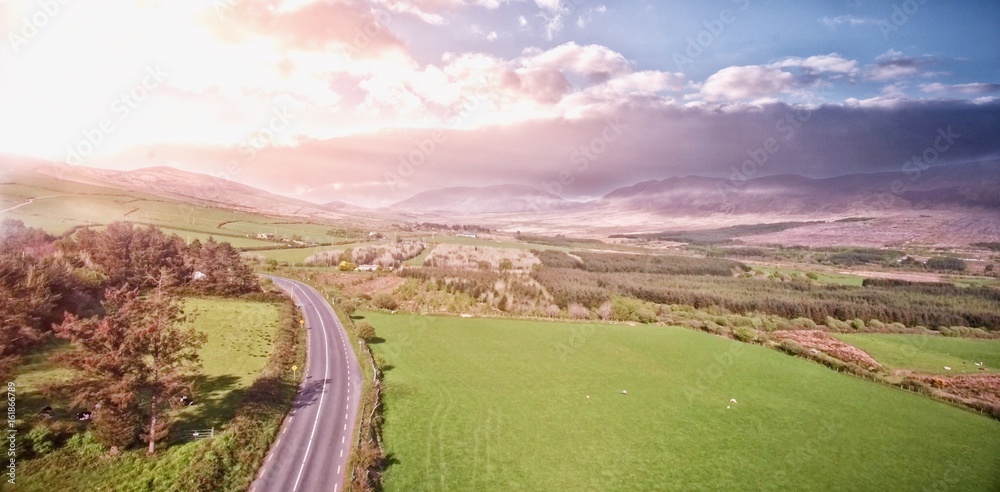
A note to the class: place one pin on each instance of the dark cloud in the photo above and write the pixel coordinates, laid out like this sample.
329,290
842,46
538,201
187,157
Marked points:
592,156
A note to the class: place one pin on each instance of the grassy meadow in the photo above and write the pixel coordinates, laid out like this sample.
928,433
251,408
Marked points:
928,353
239,342
492,404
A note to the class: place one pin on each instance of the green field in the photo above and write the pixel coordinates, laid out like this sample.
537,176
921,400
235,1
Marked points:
928,353
299,255
821,277
239,341
488,404
84,204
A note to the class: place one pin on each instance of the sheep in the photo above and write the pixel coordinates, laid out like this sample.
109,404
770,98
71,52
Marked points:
624,392
946,368
732,400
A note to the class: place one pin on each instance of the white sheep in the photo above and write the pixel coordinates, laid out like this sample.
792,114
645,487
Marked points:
946,368
732,400
624,392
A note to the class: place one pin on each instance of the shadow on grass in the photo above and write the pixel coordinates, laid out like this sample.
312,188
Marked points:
376,340
216,401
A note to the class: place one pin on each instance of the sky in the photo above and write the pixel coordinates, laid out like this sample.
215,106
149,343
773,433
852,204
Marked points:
370,102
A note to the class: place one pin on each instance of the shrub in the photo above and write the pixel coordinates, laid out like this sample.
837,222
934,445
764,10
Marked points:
576,311
628,309
365,330
385,301
804,323
745,334
946,263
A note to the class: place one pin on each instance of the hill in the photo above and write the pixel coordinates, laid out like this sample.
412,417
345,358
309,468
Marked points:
487,199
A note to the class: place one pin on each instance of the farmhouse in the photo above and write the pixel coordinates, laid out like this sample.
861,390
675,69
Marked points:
368,268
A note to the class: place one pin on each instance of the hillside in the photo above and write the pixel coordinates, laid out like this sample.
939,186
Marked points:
484,200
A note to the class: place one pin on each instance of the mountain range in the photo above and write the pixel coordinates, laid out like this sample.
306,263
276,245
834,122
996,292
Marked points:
957,186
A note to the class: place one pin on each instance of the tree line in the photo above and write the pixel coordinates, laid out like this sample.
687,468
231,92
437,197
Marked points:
114,294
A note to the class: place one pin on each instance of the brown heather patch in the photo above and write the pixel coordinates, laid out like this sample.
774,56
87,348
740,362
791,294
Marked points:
823,342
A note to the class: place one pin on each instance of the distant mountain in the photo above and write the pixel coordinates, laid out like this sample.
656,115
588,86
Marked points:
172,183
482,200
961,185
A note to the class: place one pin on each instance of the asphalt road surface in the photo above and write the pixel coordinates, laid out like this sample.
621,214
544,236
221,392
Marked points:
315,440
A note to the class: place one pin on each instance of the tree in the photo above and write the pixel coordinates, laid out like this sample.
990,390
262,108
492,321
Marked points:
365,330
349,307
133,364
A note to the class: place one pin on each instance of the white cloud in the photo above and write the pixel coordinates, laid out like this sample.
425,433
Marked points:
832,63
849,20
521,21
492,36
746,82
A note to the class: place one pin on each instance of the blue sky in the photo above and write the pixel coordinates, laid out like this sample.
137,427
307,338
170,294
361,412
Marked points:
376,100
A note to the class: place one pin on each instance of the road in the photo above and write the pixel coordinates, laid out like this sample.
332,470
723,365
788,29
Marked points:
32,200
316,438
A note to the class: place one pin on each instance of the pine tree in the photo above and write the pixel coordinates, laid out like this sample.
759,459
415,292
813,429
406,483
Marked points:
133,364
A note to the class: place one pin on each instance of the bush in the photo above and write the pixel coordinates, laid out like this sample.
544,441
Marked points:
364,330
745,334
946,263
385,301
628,309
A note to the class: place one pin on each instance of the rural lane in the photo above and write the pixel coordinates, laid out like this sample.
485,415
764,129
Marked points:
312,447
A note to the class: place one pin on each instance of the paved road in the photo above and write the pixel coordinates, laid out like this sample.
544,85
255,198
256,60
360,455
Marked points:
312,447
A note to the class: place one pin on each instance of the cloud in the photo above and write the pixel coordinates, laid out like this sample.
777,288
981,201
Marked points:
655,143
849,20
973,89
894,65
522,22
819,64
746,82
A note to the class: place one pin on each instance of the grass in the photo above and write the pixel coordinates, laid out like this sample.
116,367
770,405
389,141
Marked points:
299,255
821,277
239,341
100,205
928,353
488,404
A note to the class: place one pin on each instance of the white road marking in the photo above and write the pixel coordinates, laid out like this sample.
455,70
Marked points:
341,453
342,439
345,426
338,469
